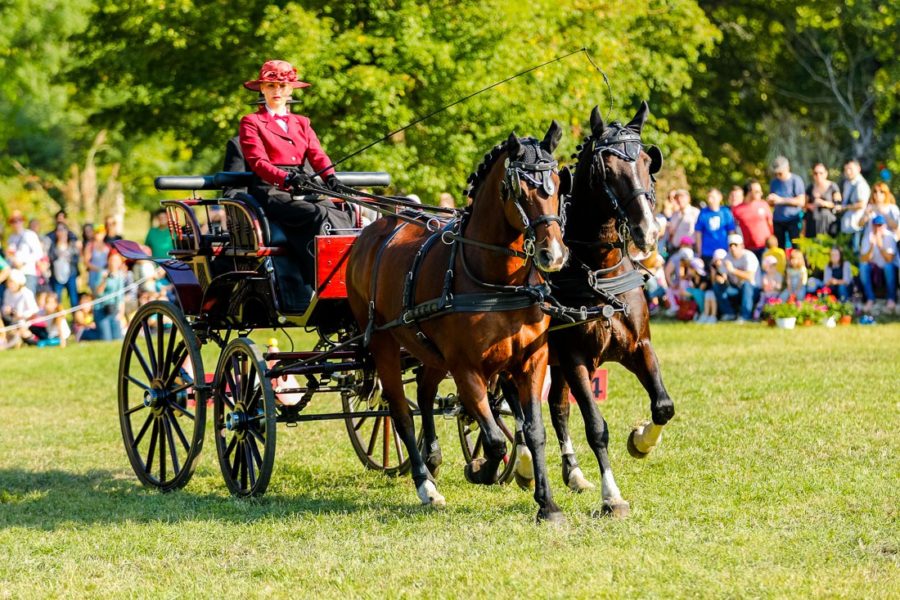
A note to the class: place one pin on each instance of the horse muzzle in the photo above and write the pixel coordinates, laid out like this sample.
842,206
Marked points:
551,256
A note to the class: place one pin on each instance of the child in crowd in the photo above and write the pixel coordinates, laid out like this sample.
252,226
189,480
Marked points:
770,285
83,320
837,275
54,330
108,312
795,277
772,249
18,307
700,291
655,288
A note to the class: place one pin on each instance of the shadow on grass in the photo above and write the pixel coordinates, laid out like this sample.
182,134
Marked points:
51,499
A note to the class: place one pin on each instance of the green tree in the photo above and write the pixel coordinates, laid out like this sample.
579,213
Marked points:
377,64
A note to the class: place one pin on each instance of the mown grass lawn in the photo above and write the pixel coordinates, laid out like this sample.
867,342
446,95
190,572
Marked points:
778,477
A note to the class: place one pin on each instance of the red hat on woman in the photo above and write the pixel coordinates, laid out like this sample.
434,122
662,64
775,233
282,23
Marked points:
276,71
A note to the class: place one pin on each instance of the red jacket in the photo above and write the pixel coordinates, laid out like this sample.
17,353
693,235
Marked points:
265,145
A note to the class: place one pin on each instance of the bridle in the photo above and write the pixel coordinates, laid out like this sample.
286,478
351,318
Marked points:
626,144
537,172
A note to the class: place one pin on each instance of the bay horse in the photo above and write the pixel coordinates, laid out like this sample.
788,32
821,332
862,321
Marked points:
610,208
465,299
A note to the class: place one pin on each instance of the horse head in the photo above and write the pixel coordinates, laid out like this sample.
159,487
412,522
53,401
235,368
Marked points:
530,194
621,170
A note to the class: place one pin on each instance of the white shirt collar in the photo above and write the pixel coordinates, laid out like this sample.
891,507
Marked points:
272,113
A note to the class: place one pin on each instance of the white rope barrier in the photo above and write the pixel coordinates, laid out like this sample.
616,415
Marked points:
68,311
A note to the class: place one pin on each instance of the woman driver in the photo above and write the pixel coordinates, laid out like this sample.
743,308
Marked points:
275,144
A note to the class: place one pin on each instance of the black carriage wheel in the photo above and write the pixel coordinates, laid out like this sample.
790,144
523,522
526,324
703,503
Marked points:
470,437
162,412
374,438
244,419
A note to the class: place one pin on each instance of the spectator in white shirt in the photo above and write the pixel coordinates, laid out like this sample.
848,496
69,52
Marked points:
24,250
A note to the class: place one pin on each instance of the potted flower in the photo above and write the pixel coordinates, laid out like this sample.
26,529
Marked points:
842,312
784,313
812,311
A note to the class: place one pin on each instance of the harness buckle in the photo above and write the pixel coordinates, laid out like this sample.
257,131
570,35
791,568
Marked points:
444,238
528,247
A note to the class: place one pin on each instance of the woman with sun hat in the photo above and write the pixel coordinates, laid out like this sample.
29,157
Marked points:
275,144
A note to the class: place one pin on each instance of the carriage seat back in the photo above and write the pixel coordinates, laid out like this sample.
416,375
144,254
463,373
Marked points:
272,233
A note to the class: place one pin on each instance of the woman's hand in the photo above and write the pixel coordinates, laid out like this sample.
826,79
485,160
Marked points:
296,182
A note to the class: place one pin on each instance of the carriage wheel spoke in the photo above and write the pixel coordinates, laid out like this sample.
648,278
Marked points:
236,382
248,460
477,447
180,433
509,434
398,446
250,387
229,383
374,437
137,382
143,430
162,452
170,348
235,467
257,435
135,408
243,459
255,449
140,356
359,423
230,447
152,453
160,344
181,354
386,444
183,410
182,387
170,438
148,340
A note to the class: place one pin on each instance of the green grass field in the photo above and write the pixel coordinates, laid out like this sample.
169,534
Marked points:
778,477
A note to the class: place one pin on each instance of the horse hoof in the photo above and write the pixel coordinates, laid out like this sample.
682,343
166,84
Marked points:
632,449
475,472
429,496
526,484
617,508
577,481
555,517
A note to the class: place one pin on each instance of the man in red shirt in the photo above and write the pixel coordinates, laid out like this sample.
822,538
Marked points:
275,144
754,217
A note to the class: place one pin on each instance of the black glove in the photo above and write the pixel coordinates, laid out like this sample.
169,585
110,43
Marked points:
296,182
333,183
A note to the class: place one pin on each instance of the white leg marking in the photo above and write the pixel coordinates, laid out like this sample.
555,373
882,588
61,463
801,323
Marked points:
566,447
524,463
610,489
428,494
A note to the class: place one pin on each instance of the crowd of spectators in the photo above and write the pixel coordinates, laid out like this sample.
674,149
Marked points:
58,286
726,261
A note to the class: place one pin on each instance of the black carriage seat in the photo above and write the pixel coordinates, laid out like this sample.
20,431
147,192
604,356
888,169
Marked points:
273,234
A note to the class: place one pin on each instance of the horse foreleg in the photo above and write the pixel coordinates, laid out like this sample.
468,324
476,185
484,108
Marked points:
427,382
597,433
529,383
523,469
386,353
645,437
473,394
558,401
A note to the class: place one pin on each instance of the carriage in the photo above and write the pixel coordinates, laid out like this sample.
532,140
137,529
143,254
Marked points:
229,281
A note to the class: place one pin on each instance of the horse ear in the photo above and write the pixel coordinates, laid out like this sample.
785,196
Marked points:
513,147
597,125
637,123
551,140
565,181
656,159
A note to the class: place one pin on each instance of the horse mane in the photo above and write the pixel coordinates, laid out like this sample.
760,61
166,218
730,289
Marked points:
474,181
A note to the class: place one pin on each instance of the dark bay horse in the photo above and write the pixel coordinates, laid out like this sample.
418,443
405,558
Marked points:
611,207
487,267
